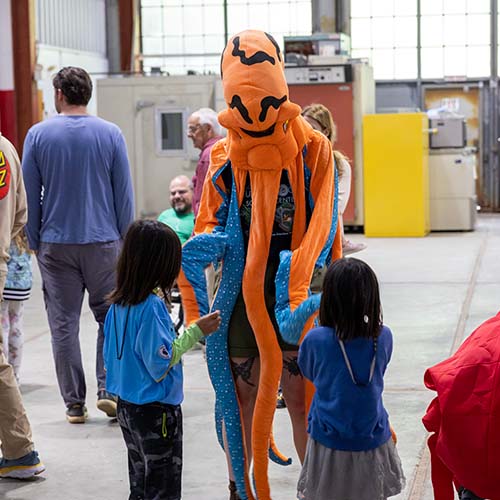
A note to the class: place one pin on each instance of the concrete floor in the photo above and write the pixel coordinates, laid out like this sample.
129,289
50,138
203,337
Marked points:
435,291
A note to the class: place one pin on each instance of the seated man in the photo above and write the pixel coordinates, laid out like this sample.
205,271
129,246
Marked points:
180,217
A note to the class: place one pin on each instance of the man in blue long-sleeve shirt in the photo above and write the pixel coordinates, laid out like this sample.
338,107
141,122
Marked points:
80,204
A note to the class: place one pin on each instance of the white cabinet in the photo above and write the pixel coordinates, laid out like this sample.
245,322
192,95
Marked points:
452,178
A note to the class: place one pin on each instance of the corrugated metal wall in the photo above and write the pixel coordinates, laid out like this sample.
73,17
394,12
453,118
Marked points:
72,24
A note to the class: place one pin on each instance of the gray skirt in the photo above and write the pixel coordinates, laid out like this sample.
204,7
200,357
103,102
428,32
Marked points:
329,474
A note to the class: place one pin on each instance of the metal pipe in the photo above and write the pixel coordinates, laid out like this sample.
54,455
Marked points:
226,32
343,17
323,16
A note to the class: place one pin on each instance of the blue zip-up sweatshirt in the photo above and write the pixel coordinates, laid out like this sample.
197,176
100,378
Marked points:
345,416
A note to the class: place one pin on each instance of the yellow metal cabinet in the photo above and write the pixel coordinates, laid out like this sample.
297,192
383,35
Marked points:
396,174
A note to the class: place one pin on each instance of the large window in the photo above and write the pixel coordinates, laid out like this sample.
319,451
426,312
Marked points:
454,35
386,32
455,38
178,37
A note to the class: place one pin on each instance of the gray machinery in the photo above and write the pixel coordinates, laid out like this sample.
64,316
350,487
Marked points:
452,176
319,70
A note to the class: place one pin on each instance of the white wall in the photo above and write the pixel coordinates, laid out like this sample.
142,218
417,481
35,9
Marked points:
51,59
69,33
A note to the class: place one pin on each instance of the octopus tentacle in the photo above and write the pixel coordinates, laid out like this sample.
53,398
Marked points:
261,226
197,254
292,323
275,455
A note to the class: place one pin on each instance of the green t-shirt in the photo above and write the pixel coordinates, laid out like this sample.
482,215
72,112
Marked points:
182,224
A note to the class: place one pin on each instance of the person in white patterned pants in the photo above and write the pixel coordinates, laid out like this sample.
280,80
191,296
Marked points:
17,289
12,321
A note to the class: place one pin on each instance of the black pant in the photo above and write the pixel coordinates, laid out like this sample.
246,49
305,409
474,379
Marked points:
153,435
465,494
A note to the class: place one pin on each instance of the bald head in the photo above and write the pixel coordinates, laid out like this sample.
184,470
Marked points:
181,195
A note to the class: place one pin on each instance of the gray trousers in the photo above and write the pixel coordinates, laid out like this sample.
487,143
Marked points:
67,271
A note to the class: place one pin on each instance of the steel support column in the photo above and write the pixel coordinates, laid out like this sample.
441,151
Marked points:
493,187
128,33
331,16
23,45
113,35
7,94
323,16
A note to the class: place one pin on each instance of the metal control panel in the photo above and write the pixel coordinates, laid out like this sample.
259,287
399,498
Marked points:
318,74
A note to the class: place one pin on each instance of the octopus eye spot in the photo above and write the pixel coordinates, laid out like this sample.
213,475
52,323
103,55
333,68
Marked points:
267,102
237,103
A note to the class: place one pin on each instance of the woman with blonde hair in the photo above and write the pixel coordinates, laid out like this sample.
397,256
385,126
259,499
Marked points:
320,118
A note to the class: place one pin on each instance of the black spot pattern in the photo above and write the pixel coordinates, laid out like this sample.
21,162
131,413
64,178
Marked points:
257,58
273,41
238,104
267,102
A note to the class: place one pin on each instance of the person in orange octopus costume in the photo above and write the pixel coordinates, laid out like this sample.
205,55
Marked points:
268,217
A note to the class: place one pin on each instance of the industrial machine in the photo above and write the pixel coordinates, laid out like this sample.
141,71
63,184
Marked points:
452,171
318,70
449,132
152,113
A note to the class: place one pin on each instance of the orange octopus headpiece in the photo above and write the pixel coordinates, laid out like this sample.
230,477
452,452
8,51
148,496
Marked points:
256,93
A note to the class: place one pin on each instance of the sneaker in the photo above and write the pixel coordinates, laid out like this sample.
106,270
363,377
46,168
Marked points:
233,493
76,413
280,401
349,247
106,402
22,468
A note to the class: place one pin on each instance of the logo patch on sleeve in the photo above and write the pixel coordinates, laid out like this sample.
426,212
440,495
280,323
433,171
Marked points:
4,176
163,352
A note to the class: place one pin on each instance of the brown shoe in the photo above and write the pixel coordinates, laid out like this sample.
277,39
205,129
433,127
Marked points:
106,402
76,413
233,493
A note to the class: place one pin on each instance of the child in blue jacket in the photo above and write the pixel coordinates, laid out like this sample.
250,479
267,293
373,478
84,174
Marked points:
142,355
350,453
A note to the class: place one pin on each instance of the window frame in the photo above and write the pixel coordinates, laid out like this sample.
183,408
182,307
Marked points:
159,111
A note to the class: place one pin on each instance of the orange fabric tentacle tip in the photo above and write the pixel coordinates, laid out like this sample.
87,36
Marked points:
394,436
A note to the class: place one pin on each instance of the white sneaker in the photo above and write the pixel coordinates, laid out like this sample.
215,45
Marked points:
349,247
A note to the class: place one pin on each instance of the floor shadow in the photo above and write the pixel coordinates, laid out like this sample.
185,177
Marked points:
28,388
9,485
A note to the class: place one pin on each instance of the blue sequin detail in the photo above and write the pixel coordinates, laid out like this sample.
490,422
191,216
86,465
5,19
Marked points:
197,254
291,324
327,249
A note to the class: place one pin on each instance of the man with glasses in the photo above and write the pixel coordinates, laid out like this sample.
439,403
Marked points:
204,130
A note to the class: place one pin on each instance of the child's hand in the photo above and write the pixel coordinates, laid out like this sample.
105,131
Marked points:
209,323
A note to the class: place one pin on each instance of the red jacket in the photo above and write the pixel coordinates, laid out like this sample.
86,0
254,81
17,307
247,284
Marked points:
465,416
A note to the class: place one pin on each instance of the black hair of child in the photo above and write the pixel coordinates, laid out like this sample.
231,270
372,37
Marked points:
150,259
350,303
